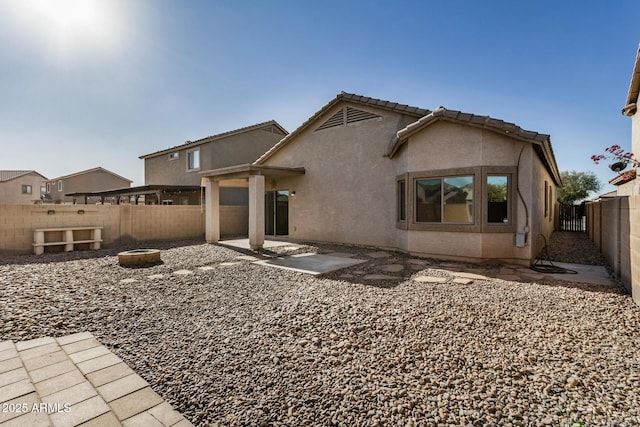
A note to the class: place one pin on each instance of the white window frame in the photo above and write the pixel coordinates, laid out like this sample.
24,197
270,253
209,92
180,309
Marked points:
174,156
59,185
27,187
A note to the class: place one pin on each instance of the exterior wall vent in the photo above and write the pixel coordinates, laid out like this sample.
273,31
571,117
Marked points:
354,115
347,115
336,120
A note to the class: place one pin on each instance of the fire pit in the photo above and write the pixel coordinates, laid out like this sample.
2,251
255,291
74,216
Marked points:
139,257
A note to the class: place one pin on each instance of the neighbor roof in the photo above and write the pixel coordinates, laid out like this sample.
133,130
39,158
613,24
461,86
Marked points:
89,171
212,138
634,88
343,96
6,175
541,141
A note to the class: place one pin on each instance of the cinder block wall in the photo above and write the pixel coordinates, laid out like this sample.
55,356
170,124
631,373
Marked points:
234,221
614,227
610,237
17,223
634,247
122,224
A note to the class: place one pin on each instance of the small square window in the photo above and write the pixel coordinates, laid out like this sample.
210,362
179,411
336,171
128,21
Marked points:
26,189
174,156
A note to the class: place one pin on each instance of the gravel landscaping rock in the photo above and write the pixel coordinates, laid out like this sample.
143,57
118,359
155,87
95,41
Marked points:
248,345
574,247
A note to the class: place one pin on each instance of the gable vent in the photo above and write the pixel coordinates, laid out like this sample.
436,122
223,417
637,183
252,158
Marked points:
351,115
354,115
336,120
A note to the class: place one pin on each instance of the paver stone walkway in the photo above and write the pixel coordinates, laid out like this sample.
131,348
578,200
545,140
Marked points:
75,381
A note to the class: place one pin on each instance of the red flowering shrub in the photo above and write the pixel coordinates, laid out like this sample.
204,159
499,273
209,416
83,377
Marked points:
618,154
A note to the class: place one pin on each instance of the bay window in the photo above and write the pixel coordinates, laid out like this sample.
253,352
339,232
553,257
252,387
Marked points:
445,200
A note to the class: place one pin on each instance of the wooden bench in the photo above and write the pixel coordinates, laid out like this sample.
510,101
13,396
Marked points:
68,236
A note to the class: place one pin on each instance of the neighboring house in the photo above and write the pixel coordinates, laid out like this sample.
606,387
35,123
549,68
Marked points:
96,179
631,187
437,183
181,165
23,186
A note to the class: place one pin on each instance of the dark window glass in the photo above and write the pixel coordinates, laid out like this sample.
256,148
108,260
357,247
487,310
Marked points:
497,199
402,202
429,200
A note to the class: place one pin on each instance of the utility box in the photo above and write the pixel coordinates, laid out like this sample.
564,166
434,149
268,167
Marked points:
521,240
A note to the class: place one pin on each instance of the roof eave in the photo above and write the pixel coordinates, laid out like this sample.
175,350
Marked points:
212,138
634,89
482,122
346,97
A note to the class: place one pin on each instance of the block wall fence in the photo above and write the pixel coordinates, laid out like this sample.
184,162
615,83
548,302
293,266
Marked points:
613,226
122,224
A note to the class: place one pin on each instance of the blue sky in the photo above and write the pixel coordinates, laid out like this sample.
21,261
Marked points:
100,82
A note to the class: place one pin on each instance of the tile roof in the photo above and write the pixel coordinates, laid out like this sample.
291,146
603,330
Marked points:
88,171
344,96
6,175
215,137
541,140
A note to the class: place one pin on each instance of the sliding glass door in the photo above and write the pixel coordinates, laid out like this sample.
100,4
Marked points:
276,218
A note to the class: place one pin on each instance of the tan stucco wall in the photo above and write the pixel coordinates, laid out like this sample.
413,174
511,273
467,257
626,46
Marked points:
445,145
632,188
347,194
540,224
87,182
11,190
122,224
233,150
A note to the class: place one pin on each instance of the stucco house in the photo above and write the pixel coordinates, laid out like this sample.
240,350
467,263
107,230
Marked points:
625,186
365,171
58,189
21,186
181,165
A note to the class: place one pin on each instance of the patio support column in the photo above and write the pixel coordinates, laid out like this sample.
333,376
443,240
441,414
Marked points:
256,211
212,210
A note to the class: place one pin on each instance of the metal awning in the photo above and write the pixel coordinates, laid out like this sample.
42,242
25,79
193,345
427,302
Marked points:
137,191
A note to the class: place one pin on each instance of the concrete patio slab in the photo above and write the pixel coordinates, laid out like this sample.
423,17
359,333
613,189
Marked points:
244,244
341,254
590,274
49,388
311,263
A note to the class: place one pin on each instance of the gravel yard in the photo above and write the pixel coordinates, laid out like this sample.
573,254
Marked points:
235,343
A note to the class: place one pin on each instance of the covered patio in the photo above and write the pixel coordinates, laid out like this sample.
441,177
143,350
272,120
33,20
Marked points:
250,175
151,194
